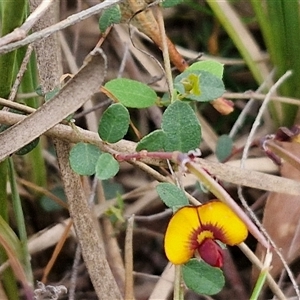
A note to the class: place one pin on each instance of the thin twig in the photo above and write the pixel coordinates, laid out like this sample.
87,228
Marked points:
258,96
20,74
239,122
129,260
255,261
71,20
17,106
20,33
165,50
240,190
259,116
74,273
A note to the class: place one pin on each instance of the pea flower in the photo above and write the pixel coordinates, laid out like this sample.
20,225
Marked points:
195,230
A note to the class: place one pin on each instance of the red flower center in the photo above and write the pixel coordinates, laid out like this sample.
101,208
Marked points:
211,253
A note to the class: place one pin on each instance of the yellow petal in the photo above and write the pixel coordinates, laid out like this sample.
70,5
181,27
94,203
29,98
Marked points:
223,222
178,245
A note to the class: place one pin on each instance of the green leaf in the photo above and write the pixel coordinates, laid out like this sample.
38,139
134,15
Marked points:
172,195
112,189
48,204
210,66
39,91
211,86
106,167
203,278
131,93
154,141
114,123
170,3
224,147
110,16
52,93
83,158
181,126
27,148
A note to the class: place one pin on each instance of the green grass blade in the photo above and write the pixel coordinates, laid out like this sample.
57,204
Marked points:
241,37
16,201
8,277
280,26
12,16
262,277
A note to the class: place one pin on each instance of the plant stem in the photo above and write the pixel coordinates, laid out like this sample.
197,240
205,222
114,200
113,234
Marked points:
262,277
178,289
165,51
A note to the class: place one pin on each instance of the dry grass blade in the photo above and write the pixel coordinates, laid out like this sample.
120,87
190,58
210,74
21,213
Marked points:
165,284
76,18
252,179
92,250
228,173
71,97
281,217
129,260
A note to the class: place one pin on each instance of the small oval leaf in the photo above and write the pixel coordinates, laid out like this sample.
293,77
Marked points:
83,158
114,123
172,195
154,141
131,93
182,128
110,16
202,278
211,87
106,167
27,148
210,66
224,147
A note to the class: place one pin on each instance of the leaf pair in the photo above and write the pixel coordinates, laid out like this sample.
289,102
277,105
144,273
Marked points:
87,159
180,131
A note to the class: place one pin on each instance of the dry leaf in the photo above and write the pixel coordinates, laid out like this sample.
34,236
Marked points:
281,217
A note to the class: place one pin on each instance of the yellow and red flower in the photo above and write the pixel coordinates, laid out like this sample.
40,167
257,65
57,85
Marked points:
196,230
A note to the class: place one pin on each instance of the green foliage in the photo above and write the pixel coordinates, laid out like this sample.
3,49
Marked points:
224,147
116,212
181,130
280,25
112,189
170,3
29,147
181,127
114,123
106,167
110,16
52,94
131,93
202,278
178,120
210,66
210,87
171,195
83,158
154,141
48,204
